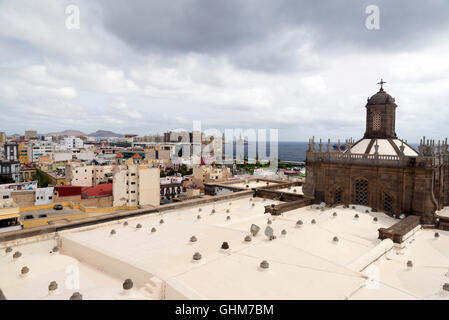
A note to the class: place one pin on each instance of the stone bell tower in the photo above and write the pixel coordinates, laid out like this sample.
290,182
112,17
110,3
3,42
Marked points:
380,116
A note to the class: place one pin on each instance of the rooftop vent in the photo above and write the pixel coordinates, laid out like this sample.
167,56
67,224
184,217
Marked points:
247,239
264,265
228,218
53,286
253,204
284,232
409,264
375,219
8,250
193,239
125,223
225,246
269,232
213,211
446,286
24,270
17,255
436,235
353,207
198,217
254,229
138,226
76,296
269,221
334,214
335,239
128,284
113,232
197,256
313,221
2,296
299,223
227,211
55,249
199,209
161,221
366,211
153,230
356,216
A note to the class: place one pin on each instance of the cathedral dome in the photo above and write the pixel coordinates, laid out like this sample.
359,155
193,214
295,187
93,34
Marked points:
385,147
380,97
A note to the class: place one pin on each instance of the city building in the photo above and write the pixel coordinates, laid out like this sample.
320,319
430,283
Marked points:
136,185
72,143
206,173
80,174
10,167
42,148
30,134
380,170
24,152
2,138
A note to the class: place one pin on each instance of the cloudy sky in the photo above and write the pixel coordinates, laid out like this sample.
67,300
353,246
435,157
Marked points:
143,66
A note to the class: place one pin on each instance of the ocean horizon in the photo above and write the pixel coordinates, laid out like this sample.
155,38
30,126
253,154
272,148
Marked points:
296,150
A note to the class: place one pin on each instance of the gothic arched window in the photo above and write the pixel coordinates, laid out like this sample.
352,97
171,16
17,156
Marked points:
387,203
361,192
338,195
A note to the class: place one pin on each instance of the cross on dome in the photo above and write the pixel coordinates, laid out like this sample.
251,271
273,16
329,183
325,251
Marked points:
381,84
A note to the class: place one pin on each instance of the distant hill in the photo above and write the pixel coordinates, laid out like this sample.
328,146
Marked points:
67,133
105,134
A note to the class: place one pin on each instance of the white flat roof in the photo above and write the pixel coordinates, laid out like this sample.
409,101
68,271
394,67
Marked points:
304,263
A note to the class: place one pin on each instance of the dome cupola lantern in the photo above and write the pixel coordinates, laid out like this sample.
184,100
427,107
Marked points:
380,115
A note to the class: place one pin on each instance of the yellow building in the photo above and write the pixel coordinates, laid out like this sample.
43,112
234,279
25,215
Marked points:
23,153
9,216
2,138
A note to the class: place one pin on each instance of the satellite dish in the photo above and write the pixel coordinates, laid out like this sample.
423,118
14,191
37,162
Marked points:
269,232
254,229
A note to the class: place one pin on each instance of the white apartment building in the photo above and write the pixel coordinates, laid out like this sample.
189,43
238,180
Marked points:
81,175
70,155
135,185
43,196
42,149
171,180
72,143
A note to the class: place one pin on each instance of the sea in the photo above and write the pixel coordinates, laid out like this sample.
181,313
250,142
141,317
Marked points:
295,151
287,150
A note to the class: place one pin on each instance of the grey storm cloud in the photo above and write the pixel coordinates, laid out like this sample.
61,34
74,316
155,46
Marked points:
144,66
236,27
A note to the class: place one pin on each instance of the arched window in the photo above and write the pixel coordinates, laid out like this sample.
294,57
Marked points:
361,192
387,203
338,195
